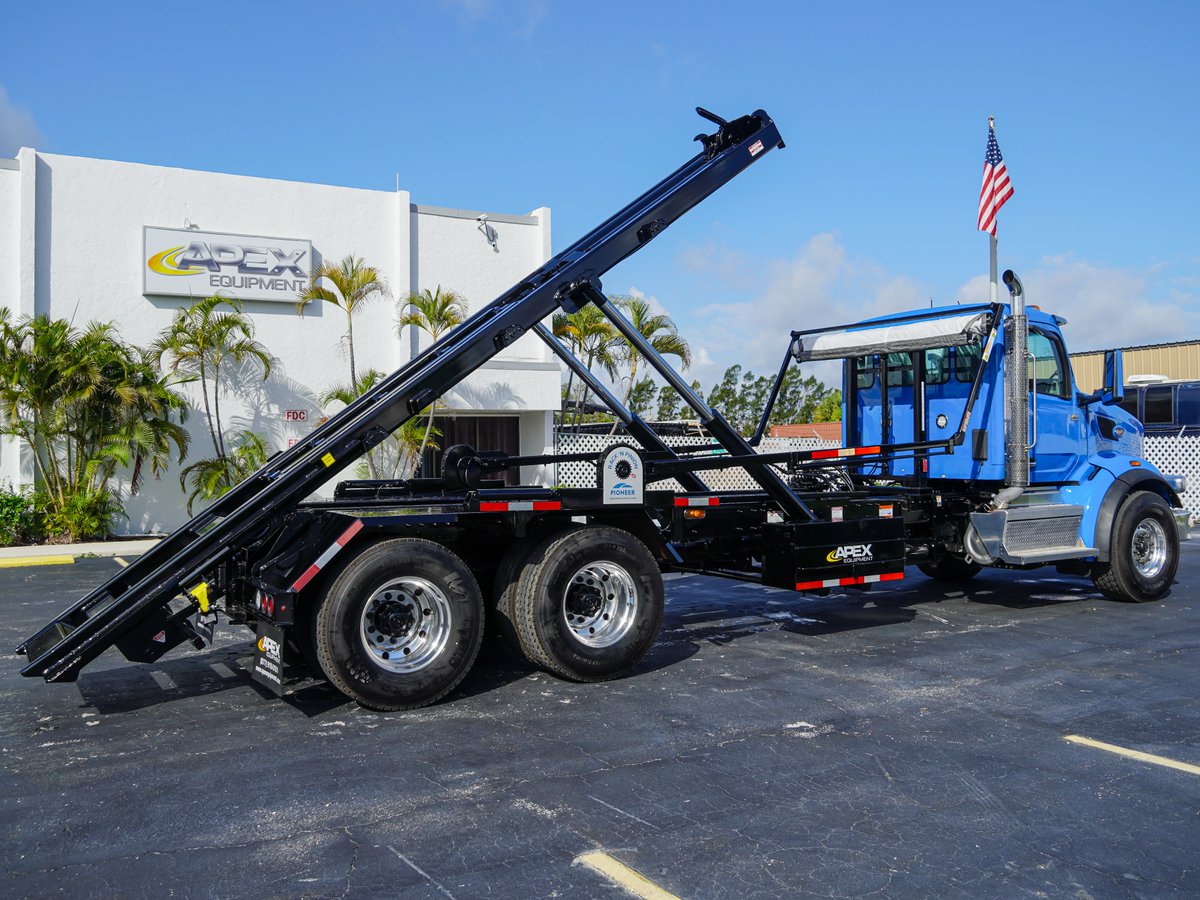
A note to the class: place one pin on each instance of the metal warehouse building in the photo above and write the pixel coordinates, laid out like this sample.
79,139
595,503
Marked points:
97,240
1179,361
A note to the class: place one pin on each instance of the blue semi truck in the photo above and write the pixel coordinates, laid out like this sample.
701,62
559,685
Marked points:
966,446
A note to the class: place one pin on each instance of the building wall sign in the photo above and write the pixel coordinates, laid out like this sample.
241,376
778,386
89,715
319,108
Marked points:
182,262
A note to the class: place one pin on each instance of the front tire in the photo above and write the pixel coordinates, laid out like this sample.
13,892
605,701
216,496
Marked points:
400,626
589,604
1143,552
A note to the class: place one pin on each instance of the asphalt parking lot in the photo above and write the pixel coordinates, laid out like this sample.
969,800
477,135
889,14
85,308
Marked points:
910,741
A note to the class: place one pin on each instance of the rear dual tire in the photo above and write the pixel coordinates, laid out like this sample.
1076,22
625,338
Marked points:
584,604
400,625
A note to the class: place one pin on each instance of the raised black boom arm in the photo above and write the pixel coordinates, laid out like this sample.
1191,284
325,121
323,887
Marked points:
253,509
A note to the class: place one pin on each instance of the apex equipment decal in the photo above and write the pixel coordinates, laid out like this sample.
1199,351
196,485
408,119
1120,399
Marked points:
850,553
188,263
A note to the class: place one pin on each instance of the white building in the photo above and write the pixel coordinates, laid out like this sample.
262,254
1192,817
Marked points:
78,238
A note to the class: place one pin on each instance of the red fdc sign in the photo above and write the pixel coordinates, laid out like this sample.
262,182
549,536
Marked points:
295,415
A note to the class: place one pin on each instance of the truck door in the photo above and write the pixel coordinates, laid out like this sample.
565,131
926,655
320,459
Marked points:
1056,428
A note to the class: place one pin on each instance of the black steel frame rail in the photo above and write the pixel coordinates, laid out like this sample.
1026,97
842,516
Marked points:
253,508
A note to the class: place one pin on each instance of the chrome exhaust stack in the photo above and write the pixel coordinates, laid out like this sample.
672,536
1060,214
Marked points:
1016,396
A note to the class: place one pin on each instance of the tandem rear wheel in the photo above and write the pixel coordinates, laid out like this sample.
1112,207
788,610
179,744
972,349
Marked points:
584,604
400,625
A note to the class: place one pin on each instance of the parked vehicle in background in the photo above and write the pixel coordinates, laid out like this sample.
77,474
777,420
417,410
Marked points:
1164,407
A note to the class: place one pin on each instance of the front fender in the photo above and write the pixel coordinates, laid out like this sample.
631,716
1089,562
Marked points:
1122,486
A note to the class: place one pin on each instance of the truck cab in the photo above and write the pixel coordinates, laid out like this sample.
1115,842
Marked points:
978,405
883,404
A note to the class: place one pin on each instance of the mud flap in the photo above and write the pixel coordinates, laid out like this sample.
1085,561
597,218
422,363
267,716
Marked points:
268,658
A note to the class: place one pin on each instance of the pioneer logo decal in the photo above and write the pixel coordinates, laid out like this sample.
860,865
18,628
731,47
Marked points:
850,553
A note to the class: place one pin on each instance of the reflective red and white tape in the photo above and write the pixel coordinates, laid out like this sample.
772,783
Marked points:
518,505
843,452
311,572
843,582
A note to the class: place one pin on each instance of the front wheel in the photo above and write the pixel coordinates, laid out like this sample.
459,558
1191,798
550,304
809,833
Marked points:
589,604
400,625
1143,553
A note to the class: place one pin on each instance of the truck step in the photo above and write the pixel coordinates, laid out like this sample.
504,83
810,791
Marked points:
1027,535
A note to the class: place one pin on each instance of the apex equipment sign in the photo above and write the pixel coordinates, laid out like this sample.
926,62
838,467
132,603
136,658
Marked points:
180,262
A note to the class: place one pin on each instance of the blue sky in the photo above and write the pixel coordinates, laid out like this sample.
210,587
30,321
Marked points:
507,105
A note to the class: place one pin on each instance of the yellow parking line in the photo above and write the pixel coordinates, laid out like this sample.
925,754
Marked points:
1134,754
13,562
621,875
120,562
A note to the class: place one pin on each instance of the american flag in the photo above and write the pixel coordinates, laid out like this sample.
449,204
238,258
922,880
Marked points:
996,186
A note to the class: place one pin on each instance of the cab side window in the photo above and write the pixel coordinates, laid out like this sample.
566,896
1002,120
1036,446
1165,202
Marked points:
966,361
864,370
1047,366
900,369
937,365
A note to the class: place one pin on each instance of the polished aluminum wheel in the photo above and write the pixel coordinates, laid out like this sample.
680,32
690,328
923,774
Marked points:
600,604
406,624
1149,548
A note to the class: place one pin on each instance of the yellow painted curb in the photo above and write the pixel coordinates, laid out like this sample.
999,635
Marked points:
1134,754
621,875
15,562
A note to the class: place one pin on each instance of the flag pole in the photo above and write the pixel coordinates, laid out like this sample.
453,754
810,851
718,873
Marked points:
995,289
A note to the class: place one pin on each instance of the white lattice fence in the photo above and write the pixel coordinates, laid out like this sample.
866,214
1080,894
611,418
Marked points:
1178,455
1172,454
583,474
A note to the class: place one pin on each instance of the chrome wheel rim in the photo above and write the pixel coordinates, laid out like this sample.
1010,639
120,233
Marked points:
405,625
1149,548
600,604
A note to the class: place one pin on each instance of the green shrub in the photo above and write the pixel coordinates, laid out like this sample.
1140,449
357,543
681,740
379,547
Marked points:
83,516
14,517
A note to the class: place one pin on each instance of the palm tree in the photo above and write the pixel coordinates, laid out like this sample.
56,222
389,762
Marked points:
85,403
202,338
397,456
213,477
354,285
142,417
659,331
435,313
591,337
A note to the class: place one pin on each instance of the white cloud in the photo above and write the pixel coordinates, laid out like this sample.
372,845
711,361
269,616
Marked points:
822,285
17,128
1108,306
